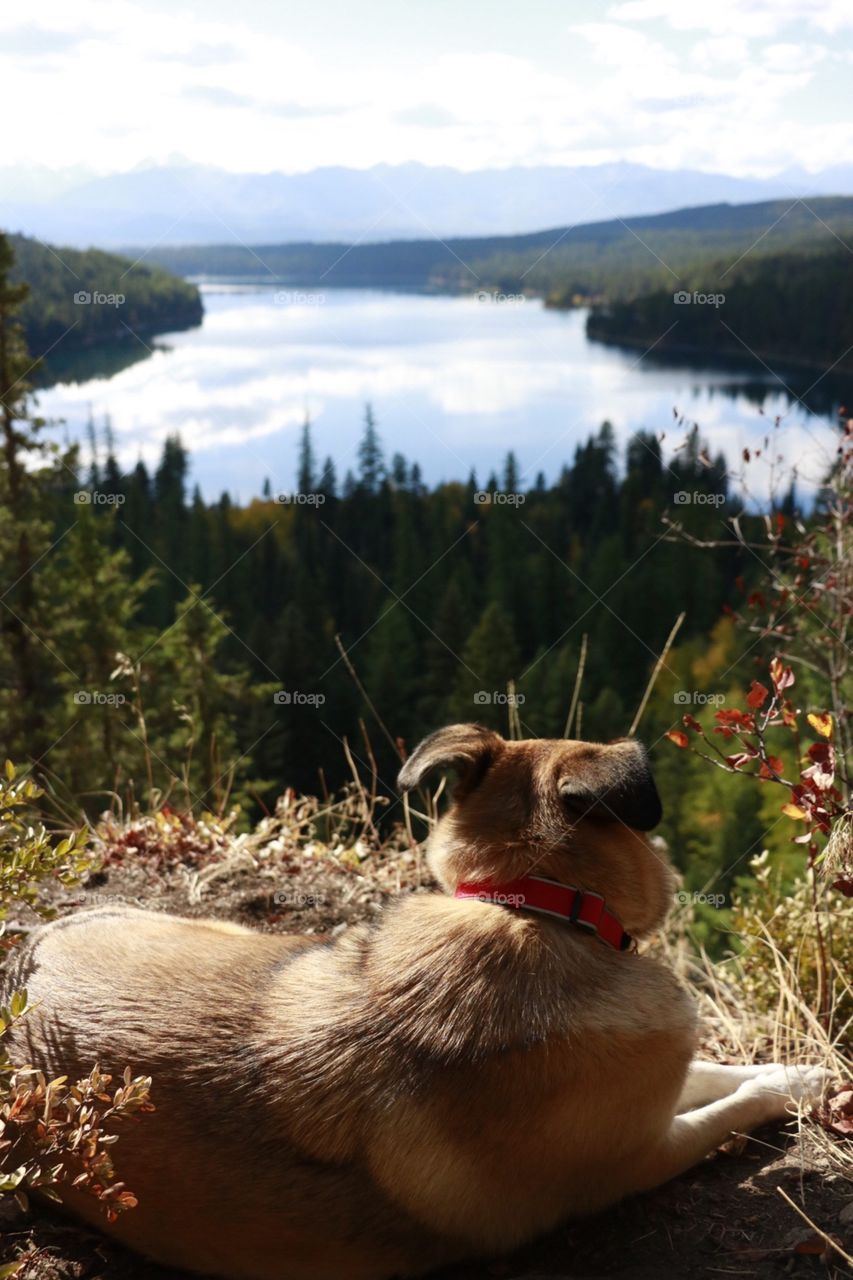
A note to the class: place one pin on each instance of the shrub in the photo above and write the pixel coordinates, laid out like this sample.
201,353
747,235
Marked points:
51,1132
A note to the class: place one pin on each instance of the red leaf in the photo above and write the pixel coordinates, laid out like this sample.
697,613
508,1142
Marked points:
690,722
757,695
837,1113
732,718
812,1245
680,739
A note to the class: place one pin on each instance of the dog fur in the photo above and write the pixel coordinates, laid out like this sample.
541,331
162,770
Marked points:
446,1083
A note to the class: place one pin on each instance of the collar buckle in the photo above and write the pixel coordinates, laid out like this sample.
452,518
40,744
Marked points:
586,910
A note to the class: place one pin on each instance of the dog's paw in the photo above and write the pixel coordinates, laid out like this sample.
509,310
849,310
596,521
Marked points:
781,1088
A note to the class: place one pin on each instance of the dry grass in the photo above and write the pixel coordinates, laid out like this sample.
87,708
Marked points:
764,1003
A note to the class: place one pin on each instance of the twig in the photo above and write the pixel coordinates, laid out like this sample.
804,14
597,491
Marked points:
653,681
395,746
577,689
805,1217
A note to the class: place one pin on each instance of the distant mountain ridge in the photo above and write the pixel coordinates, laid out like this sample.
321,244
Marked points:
193,204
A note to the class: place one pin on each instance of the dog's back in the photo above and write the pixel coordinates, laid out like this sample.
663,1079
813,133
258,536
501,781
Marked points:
220,1188
448,1082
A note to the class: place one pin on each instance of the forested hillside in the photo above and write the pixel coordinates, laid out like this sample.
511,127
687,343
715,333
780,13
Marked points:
87,297
618,258
794,307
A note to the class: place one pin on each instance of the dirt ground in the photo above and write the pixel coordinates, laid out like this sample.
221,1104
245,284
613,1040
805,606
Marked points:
723,1218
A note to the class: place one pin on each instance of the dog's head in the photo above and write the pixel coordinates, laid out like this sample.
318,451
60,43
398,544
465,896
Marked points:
574,811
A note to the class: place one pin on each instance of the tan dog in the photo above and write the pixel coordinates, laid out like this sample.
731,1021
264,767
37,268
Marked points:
447,1083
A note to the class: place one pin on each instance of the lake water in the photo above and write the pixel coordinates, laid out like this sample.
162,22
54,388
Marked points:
454,384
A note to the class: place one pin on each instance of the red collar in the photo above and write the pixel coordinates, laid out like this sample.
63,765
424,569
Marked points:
532,893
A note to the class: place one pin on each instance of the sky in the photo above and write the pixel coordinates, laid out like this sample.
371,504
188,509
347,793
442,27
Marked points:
746,87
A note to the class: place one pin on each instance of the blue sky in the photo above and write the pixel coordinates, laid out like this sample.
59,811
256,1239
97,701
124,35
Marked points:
740,86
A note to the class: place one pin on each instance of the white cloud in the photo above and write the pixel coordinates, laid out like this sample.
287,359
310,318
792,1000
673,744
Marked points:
707,84
738,18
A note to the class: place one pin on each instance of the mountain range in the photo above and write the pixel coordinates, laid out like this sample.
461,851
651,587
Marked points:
184,204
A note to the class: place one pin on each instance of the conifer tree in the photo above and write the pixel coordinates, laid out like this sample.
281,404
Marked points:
490,660
371,467
36,483
306,479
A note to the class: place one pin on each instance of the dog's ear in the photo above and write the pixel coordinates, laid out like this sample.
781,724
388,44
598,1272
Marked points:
467,748
614,782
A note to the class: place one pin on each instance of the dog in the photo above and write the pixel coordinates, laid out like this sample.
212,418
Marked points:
447,1083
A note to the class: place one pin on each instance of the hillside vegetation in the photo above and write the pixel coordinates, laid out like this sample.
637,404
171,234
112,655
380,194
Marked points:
84,297
793,307
618,258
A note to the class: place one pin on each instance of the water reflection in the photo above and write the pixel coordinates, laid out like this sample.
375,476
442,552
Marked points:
454,382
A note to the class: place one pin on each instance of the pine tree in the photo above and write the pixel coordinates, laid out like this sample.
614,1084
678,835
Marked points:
35,497
399,473
194,703
327,482
306,480
511,476
371,468
198,536
170,481
96,626
490,660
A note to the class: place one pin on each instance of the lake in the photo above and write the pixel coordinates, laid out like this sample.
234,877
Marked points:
454,382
